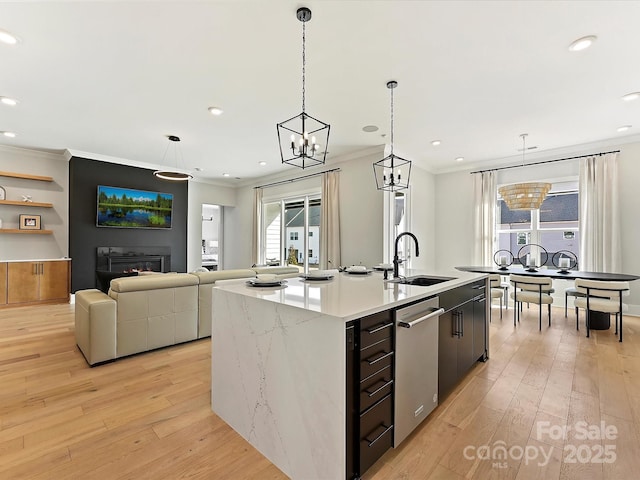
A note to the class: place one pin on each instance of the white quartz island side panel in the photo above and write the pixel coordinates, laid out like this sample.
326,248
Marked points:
278,379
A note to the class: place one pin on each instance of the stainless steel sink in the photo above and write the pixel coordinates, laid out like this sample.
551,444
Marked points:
421,280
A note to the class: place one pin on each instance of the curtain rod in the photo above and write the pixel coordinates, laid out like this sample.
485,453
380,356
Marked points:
296,179
545,161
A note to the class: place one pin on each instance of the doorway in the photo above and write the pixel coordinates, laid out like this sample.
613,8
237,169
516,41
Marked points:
212,258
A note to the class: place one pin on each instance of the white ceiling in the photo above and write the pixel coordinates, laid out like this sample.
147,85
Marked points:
114,78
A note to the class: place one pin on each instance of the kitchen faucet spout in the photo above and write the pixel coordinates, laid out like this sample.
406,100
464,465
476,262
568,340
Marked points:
396,260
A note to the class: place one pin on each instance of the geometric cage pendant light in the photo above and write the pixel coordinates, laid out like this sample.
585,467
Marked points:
524,196
392,172
172,175
303,139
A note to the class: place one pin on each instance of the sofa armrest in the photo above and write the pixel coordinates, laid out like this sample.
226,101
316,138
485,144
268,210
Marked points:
95,325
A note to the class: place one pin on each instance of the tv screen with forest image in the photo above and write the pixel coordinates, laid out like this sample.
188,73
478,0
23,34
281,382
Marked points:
130,208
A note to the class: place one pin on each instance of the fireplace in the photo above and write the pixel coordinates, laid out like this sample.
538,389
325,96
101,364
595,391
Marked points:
133,259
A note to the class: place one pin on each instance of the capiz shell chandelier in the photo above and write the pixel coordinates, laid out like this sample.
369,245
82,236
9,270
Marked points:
524,196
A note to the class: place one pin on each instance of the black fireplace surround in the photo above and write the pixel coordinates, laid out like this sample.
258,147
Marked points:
115,262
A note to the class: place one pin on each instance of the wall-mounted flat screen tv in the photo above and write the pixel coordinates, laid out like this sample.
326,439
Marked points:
130,208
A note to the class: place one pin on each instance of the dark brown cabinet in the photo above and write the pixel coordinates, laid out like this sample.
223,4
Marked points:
462,334
370,381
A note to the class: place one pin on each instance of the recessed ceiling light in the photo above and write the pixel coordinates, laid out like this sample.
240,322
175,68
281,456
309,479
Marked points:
225,175
369,128
9,134
631,96
8,38
459,159
624,128
8,101
262,164
215,111
435,143
582,43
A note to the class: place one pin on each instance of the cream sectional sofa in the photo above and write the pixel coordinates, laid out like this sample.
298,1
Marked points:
152,311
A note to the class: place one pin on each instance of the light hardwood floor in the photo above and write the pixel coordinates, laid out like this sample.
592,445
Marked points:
149,416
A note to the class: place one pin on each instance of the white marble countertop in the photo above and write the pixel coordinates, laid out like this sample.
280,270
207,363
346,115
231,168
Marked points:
348,296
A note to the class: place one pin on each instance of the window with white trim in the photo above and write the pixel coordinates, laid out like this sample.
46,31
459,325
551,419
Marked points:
554,225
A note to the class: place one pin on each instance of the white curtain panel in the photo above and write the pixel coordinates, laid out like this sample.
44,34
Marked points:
599,214
485,194
257,225
330,221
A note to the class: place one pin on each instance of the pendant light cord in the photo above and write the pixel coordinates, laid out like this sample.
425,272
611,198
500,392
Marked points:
304,60
391,120
524,140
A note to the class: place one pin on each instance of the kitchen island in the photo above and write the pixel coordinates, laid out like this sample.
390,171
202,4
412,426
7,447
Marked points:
281,364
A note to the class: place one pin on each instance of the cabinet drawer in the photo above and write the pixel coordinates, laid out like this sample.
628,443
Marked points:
375,387
457,296
375,358
375,328
376,429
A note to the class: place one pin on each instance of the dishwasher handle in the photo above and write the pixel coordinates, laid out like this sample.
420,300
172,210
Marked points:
435,312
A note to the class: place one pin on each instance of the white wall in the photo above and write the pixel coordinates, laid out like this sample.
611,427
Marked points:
360,211
199,194
423,195
16,246
454,209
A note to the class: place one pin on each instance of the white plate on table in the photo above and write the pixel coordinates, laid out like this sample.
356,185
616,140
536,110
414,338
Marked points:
256,282
352,271
316,277
383,266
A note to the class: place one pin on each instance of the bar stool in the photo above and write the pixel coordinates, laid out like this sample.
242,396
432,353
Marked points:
496,289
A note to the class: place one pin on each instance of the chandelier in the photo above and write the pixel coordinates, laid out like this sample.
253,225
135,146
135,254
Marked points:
388,171
303,139
173,175
524,196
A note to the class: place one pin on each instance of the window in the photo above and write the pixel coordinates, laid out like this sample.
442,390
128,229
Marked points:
290,228
396,221
554,226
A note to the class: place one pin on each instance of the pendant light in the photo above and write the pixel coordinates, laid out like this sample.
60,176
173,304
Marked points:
524,196
303,139
392,172
172,175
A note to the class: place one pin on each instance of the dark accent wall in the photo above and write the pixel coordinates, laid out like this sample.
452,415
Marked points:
84,236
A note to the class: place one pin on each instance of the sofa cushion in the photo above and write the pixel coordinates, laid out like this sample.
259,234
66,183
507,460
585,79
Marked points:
212,277
152,282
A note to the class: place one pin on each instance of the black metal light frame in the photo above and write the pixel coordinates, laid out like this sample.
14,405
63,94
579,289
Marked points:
303,139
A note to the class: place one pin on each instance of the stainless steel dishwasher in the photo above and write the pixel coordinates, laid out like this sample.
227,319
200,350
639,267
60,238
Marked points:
416,365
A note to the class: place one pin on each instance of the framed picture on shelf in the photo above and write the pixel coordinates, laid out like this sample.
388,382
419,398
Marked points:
29,222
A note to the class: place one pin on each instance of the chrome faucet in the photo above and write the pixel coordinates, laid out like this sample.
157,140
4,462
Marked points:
396,260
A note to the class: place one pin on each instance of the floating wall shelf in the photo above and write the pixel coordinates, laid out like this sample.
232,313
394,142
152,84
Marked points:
27,176
26,204
29,232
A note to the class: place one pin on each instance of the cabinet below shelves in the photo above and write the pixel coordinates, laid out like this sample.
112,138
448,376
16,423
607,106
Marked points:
33,282
31,232
26,204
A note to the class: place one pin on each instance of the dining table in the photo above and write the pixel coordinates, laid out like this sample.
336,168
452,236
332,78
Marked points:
597,320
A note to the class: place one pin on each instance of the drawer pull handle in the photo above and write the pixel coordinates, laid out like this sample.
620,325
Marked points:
376,360
377,390
435,312
377,328
386,429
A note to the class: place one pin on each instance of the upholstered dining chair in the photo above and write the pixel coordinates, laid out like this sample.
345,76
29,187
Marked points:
529,289
571,292
495,282
601,296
